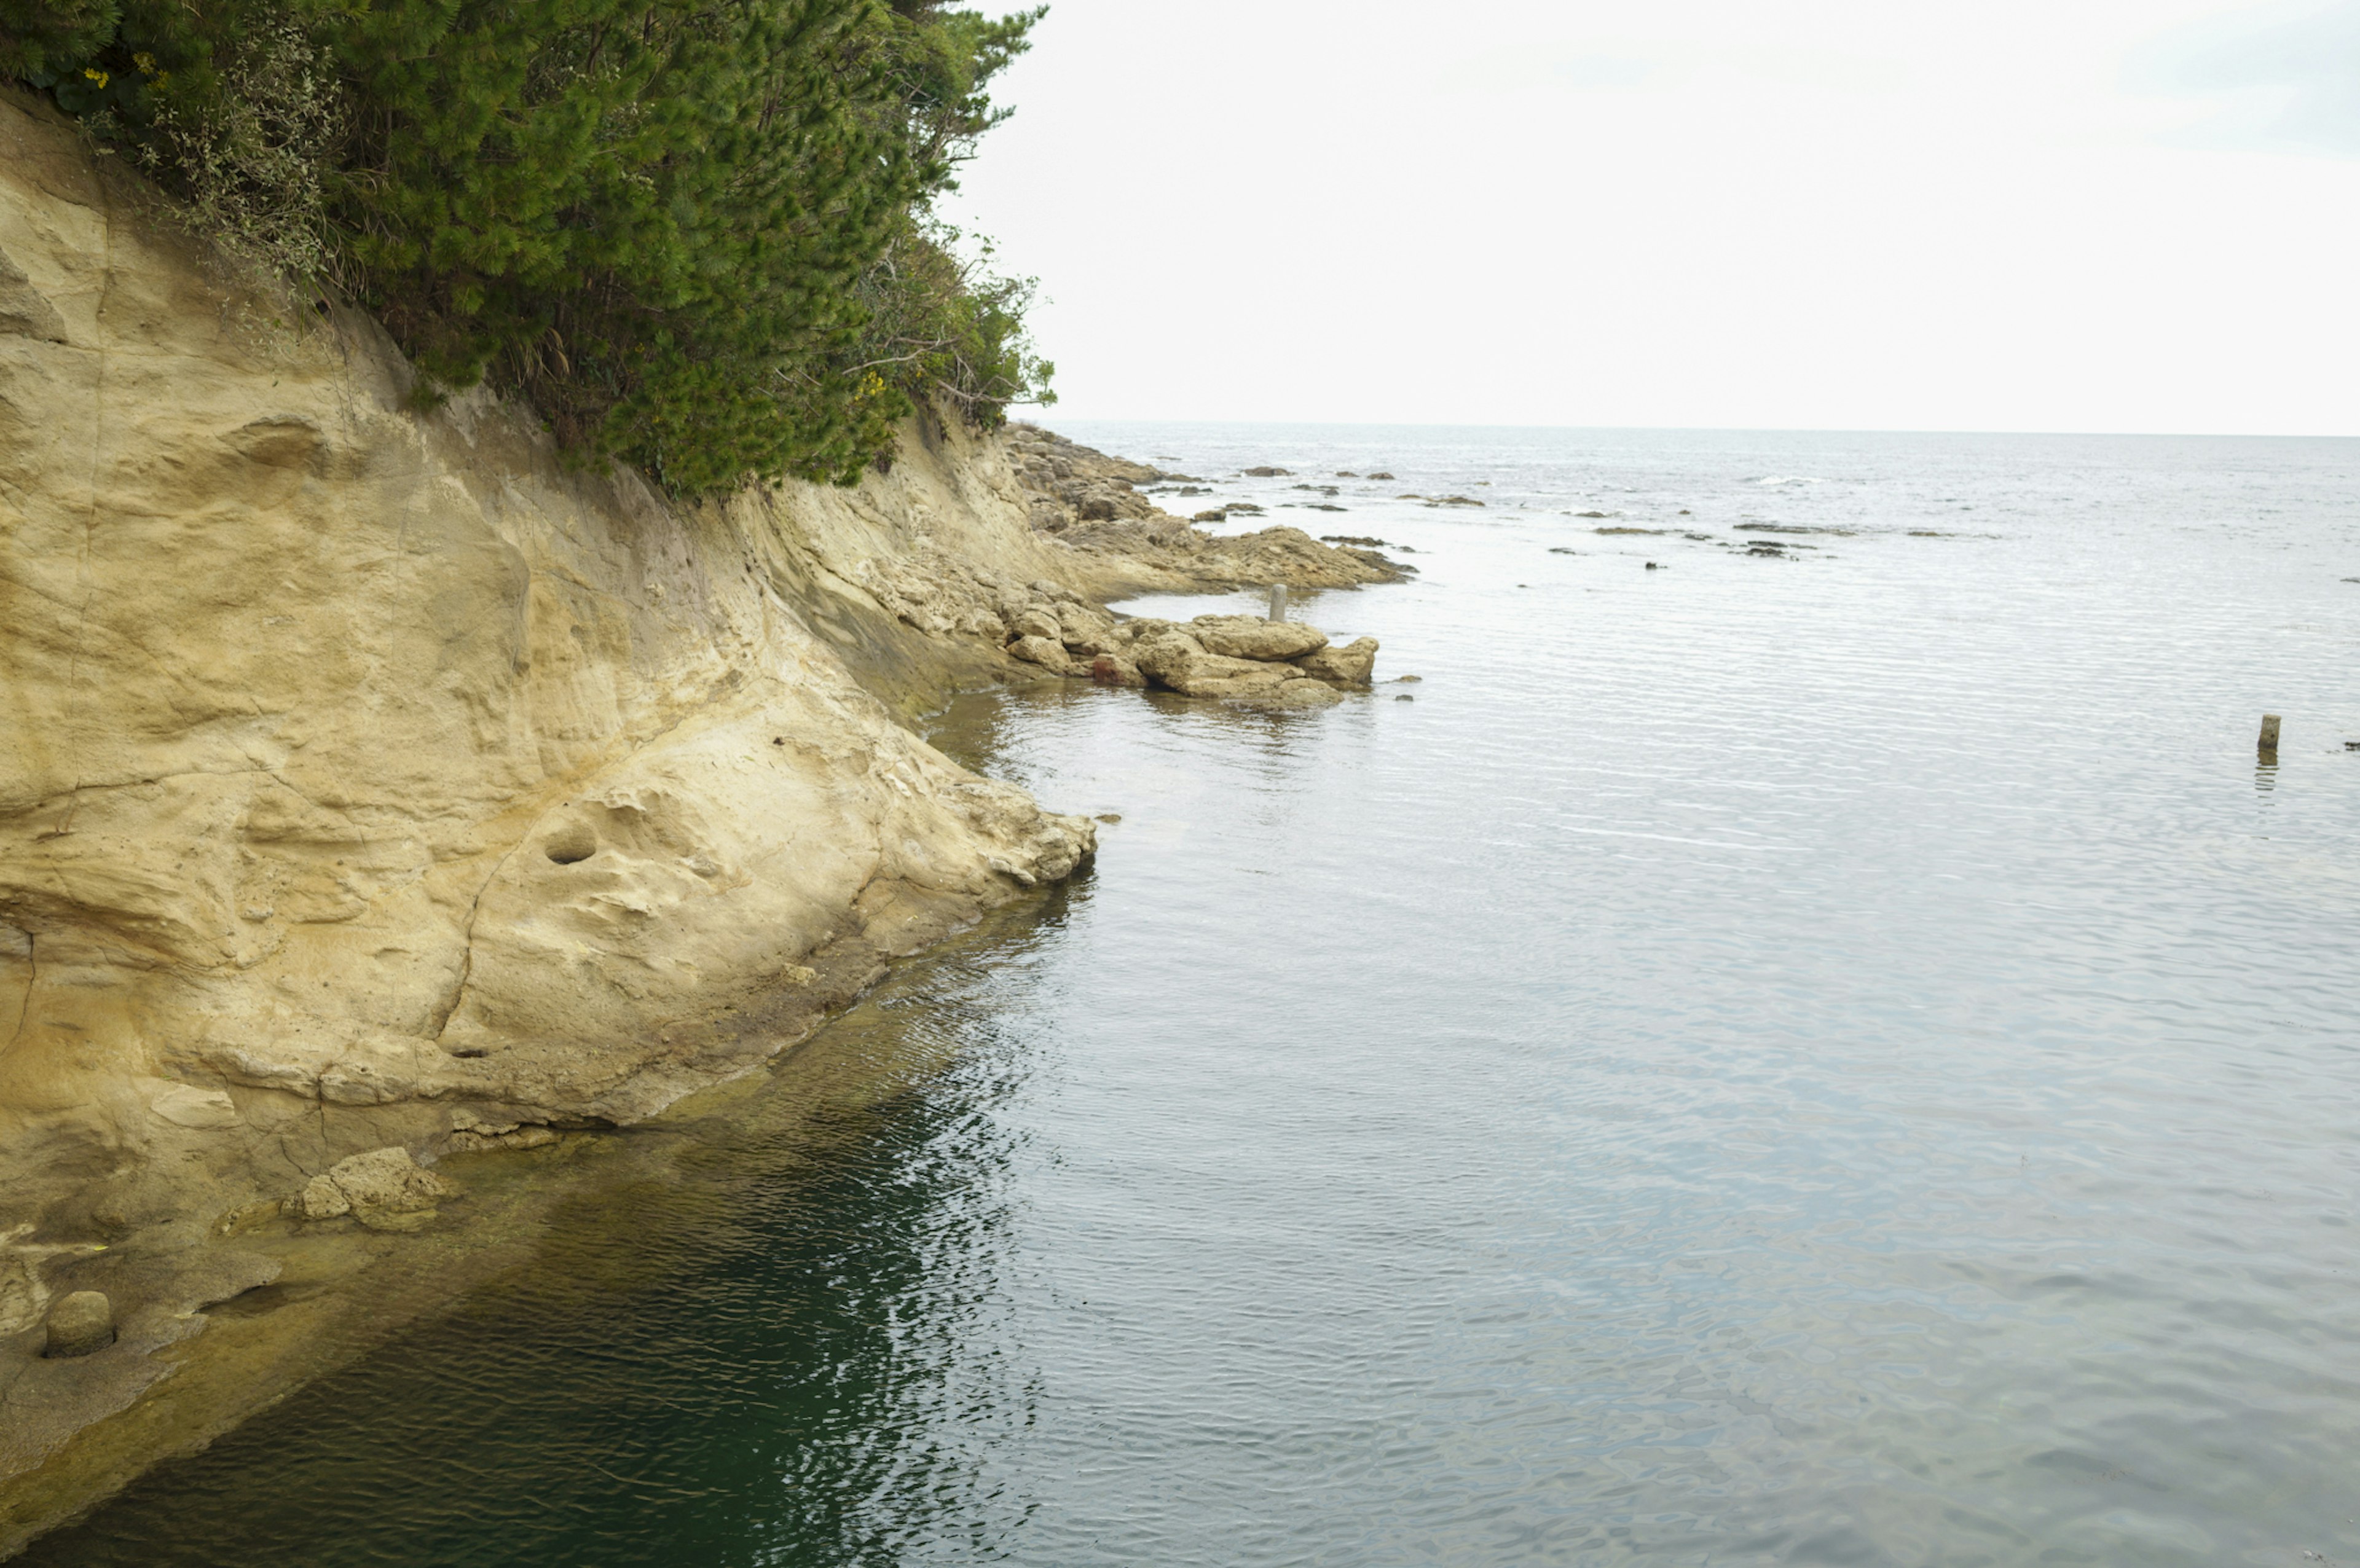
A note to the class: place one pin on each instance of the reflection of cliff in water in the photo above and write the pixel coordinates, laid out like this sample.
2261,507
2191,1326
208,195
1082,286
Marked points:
632,1395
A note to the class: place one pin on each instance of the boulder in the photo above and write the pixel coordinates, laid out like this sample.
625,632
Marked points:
1114,669
1046,652
1086,631
1249,636
373,1188
1176,659
80,1324
1034,621
1158,646
1348,665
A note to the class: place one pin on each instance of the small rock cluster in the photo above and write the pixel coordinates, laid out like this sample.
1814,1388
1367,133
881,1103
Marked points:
1277,663
384,1189
1088,500
1071,483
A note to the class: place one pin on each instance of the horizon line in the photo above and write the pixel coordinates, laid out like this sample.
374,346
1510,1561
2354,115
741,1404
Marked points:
1035,416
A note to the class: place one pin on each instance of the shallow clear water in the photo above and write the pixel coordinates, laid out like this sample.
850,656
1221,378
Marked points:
1845,1059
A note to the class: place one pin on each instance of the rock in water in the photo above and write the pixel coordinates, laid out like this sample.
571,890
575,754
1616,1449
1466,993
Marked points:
80,1323
1179,661
1346,666
1113,670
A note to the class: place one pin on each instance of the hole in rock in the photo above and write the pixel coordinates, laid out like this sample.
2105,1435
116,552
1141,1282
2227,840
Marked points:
569,844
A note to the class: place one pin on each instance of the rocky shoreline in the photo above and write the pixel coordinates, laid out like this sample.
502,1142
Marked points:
392,810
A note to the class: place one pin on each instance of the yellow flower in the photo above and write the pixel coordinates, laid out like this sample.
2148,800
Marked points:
94,74
146,63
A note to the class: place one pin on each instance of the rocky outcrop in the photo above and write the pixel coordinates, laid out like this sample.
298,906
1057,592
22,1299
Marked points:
1089,503
1267,663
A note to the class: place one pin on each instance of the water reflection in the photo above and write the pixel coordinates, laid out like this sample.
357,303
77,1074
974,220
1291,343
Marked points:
745,1340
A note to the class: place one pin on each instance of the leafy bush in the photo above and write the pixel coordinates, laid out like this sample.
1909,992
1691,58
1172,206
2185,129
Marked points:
693,231
252,157
950,328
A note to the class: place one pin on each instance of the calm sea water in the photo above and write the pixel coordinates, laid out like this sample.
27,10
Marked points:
1843,1059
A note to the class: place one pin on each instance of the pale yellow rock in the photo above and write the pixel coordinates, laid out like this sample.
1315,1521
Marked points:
381,1184
1176,661
1044,651
1039,623
1303,693
80,1325
186,1106
1248,637
1348,665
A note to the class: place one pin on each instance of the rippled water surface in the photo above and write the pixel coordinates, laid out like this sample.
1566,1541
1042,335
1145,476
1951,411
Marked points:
1841,1058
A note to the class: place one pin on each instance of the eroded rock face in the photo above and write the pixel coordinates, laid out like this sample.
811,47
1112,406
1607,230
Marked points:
376,785
361,765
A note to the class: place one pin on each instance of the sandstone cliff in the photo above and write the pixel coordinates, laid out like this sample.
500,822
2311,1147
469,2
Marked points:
376,785
367,777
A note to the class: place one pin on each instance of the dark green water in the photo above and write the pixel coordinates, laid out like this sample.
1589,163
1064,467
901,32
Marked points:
1848,1059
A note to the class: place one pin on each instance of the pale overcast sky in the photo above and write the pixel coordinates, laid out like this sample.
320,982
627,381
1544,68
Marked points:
2012,214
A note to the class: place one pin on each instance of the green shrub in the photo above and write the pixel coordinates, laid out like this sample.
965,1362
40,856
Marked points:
684,228
948,329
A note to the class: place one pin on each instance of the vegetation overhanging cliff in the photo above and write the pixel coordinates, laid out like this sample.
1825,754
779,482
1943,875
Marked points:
700,235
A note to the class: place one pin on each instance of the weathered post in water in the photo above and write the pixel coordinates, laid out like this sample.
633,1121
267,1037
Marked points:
1278,601
2269,745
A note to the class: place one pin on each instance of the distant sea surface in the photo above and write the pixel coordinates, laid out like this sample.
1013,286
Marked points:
1839,1055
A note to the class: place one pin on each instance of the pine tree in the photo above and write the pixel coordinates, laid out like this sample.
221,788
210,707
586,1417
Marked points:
652,217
